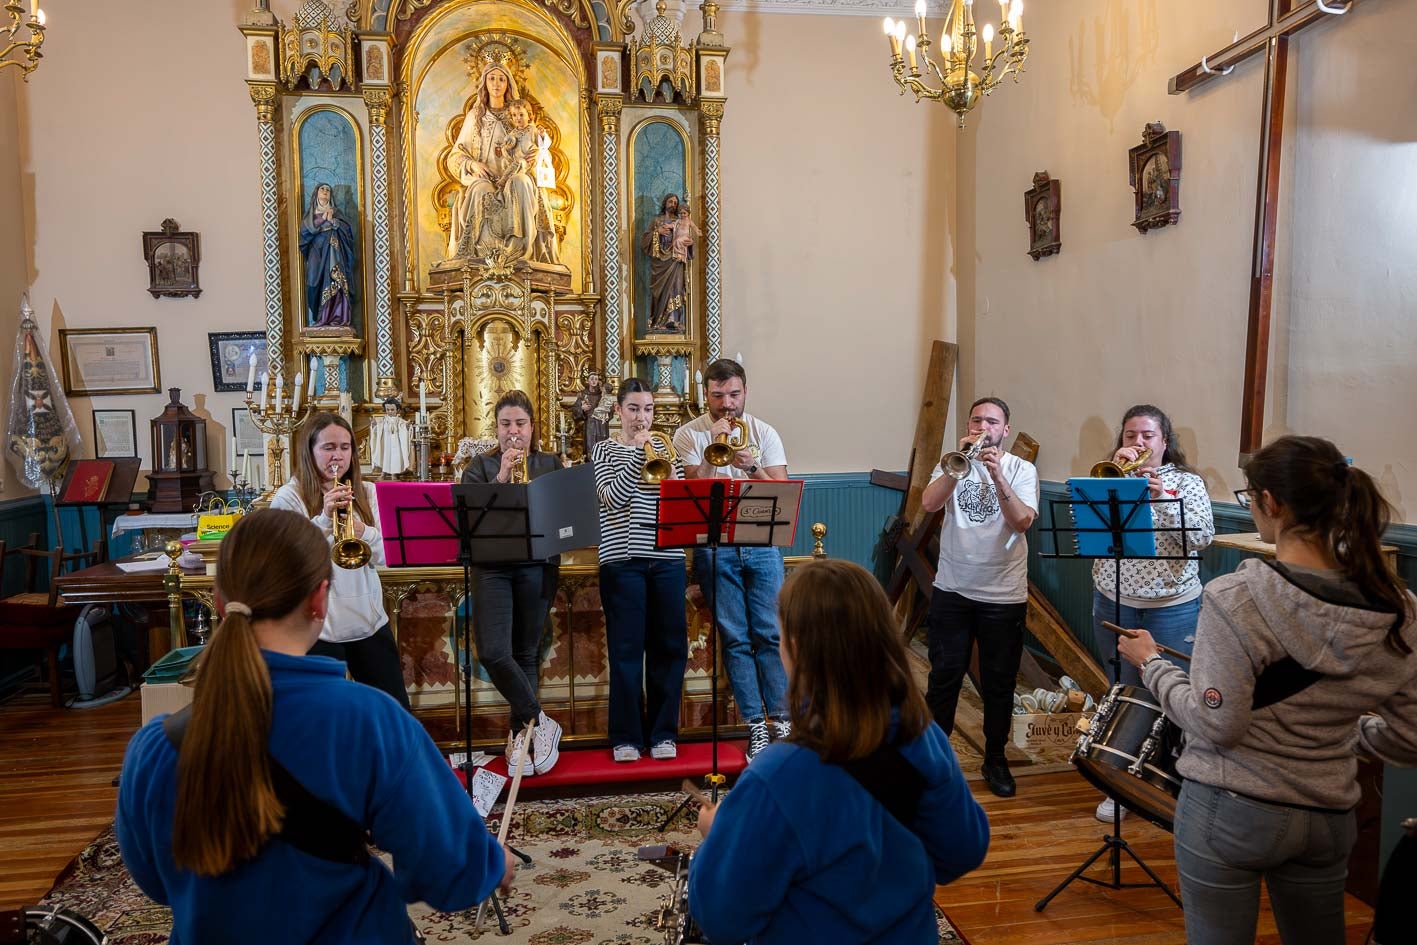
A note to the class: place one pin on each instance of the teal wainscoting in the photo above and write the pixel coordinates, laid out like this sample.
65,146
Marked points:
853,510
20,518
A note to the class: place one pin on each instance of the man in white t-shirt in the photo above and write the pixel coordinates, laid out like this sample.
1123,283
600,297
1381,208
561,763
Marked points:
981,587
748,579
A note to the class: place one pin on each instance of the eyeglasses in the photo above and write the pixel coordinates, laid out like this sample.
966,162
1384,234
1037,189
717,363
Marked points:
1242,496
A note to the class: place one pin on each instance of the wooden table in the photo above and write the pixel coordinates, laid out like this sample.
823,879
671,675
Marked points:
1250,542
108,584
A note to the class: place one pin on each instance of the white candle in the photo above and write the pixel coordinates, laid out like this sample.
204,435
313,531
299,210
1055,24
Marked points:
625,368
34,9
251,374
1016,16
1003,13
920,14
422,399
988,42
314,366
739,359
889,24
910,48
297,391
698,385
231,457
280,390
265,388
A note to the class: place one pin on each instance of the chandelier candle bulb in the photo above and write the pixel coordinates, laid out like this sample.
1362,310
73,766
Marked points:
34,9
988,44
889,25
1016,16
910,48
920,15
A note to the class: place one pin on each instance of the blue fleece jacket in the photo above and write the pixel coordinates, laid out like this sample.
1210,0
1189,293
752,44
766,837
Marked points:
353,747
801,852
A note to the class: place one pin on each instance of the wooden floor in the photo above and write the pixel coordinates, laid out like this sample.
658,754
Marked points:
56,795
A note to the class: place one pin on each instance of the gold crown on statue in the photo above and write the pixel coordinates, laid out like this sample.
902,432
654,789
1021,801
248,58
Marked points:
496,49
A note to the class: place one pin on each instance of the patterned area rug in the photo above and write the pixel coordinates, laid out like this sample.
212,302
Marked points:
585,886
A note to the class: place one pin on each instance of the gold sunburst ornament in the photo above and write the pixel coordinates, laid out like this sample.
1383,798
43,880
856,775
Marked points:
960,88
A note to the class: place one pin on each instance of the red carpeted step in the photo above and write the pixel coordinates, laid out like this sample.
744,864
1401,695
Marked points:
595,766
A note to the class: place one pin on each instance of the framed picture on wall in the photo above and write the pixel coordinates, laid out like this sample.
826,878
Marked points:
248,435
109,361
172,257
115,433
231,358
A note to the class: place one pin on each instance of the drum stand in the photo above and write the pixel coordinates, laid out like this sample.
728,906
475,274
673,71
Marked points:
1116,514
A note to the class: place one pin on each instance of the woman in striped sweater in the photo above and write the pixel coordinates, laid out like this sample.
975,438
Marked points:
642,589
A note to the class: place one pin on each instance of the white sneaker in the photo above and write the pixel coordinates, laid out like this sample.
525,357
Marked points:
545,744
1106,809
782,730
757,739
626,753
664,751
516,755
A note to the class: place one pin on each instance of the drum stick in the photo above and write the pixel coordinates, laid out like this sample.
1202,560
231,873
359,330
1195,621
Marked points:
1132,635
511,805
694,791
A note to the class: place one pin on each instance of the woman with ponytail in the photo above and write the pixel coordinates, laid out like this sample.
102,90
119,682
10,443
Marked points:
255,789
1300,665
327,483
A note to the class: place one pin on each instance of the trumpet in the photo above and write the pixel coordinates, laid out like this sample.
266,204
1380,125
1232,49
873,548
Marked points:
347,551
658,468
1110,470
956,463
720,451
519,474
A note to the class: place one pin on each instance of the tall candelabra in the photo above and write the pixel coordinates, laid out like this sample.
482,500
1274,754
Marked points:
28,49
960,88
278,420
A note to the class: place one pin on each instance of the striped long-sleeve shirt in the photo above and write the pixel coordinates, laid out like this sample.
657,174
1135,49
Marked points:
628,505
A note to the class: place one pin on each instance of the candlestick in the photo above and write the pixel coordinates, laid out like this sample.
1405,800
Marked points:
298,390
314,366
265,388
251,374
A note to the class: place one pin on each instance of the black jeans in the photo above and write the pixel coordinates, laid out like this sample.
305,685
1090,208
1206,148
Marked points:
509,610
648,637
374,661
955,622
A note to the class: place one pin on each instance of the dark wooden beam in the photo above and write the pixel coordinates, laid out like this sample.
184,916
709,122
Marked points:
891,480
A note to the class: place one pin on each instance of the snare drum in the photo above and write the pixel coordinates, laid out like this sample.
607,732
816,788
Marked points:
51,925
1129,752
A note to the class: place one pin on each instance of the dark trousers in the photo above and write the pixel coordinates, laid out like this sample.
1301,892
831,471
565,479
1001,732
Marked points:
955,623
373,661
509,610
648,636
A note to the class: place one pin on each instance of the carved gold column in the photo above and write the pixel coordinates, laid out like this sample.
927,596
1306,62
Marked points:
377,100
610,108
712,114
263,96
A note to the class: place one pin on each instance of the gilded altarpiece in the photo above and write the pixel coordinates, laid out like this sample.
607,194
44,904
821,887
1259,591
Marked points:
470,196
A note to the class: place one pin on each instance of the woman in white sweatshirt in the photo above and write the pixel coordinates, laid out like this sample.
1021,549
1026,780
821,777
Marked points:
356,627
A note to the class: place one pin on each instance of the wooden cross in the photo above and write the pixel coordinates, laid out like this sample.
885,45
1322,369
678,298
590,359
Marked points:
1286,17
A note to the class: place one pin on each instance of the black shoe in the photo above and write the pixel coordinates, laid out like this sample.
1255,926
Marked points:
996,775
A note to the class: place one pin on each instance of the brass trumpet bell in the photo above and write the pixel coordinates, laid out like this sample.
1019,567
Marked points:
720,452
348,551
658,468
1110,470
956,463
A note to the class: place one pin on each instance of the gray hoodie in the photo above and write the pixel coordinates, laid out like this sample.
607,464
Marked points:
1302,750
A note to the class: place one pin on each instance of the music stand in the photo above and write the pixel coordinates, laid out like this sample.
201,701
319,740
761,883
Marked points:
724,513
1119,521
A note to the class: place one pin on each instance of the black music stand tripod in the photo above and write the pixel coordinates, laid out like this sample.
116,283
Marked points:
717,509
1117,515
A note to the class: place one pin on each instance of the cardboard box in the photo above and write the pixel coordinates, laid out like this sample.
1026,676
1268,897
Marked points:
1047,737
163,698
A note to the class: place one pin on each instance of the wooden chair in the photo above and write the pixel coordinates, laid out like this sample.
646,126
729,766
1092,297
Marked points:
34,619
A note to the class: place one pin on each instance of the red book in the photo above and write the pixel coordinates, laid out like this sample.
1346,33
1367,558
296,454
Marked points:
88,481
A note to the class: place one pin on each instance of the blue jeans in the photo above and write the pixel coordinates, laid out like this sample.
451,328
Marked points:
1174,626
746,596
1225,844
648,636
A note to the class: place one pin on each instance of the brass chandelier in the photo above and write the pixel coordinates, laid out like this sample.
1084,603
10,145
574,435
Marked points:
28,49
960,88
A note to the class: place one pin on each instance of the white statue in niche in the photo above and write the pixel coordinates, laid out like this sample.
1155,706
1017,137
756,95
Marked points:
500,209
391,440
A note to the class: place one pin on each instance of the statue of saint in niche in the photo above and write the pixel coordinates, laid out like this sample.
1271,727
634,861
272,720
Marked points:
499,209
327,246
669,243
